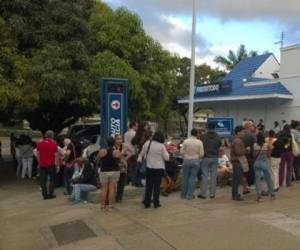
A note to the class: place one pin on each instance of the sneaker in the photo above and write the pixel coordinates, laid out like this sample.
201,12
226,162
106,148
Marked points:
201,196
212,196
52,196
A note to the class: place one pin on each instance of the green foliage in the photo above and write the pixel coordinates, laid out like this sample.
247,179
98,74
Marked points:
53,53
234,58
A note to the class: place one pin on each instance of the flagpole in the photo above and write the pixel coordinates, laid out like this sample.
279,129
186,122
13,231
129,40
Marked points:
192,73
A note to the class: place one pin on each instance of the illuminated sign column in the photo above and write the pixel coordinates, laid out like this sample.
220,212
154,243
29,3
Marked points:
114,107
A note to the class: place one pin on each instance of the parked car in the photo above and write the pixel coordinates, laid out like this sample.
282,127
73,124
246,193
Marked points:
84,133
91,151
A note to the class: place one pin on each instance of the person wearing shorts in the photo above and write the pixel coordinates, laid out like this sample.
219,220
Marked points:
109,174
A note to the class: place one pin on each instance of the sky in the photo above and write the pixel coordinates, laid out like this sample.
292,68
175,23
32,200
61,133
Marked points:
222,25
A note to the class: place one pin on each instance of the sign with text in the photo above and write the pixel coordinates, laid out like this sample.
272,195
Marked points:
223,126
222,87
114,112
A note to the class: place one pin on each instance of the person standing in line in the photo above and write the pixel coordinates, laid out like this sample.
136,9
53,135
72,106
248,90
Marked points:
69,161
132,160
211,144
262,153
287,158
48,159
238,151
26,155
296,134
249,138
138,141
260,126
17,144
277,150
192,152
125,151
155,154
109,173
276,128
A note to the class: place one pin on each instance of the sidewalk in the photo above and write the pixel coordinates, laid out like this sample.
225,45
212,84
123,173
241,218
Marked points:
28,222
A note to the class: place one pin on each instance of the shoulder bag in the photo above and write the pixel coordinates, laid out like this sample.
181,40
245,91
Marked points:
143,166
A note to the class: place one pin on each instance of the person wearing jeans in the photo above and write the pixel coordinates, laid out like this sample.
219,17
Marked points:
190,171
211,143
209,168
27,167
238,150
84,180
192,152
262,153
26,156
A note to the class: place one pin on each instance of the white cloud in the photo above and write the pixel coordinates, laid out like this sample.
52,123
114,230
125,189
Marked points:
160,18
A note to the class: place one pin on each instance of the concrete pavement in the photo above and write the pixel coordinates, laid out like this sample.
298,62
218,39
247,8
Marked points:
28,222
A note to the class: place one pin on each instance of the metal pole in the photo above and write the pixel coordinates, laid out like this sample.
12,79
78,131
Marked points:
192,73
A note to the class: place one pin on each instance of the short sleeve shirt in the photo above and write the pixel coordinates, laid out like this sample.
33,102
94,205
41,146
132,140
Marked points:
47,150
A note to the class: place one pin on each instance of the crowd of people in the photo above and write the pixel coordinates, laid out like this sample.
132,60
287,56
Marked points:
251,155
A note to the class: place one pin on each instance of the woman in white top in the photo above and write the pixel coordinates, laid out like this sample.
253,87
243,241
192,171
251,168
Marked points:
155,154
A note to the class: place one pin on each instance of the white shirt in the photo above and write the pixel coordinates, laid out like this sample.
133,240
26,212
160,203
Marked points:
192,149
128,136
156,156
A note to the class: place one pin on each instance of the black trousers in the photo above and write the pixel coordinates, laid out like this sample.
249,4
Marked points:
120,186
68,173
153,179
236,178
297,167
251,174
45,173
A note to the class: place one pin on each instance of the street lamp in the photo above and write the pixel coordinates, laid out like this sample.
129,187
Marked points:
192,72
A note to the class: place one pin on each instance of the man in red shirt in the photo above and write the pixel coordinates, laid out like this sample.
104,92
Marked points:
47,156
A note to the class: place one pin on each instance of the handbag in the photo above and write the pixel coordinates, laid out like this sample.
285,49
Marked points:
295,147
244,163
142,168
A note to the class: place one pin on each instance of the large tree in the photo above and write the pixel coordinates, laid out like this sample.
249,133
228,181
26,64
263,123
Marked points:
204,74
53,53
123,49
52,38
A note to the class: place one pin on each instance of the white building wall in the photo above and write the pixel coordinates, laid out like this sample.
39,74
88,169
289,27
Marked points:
290,62
266,70
270,110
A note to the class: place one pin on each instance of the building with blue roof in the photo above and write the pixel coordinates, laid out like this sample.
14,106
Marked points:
257,88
